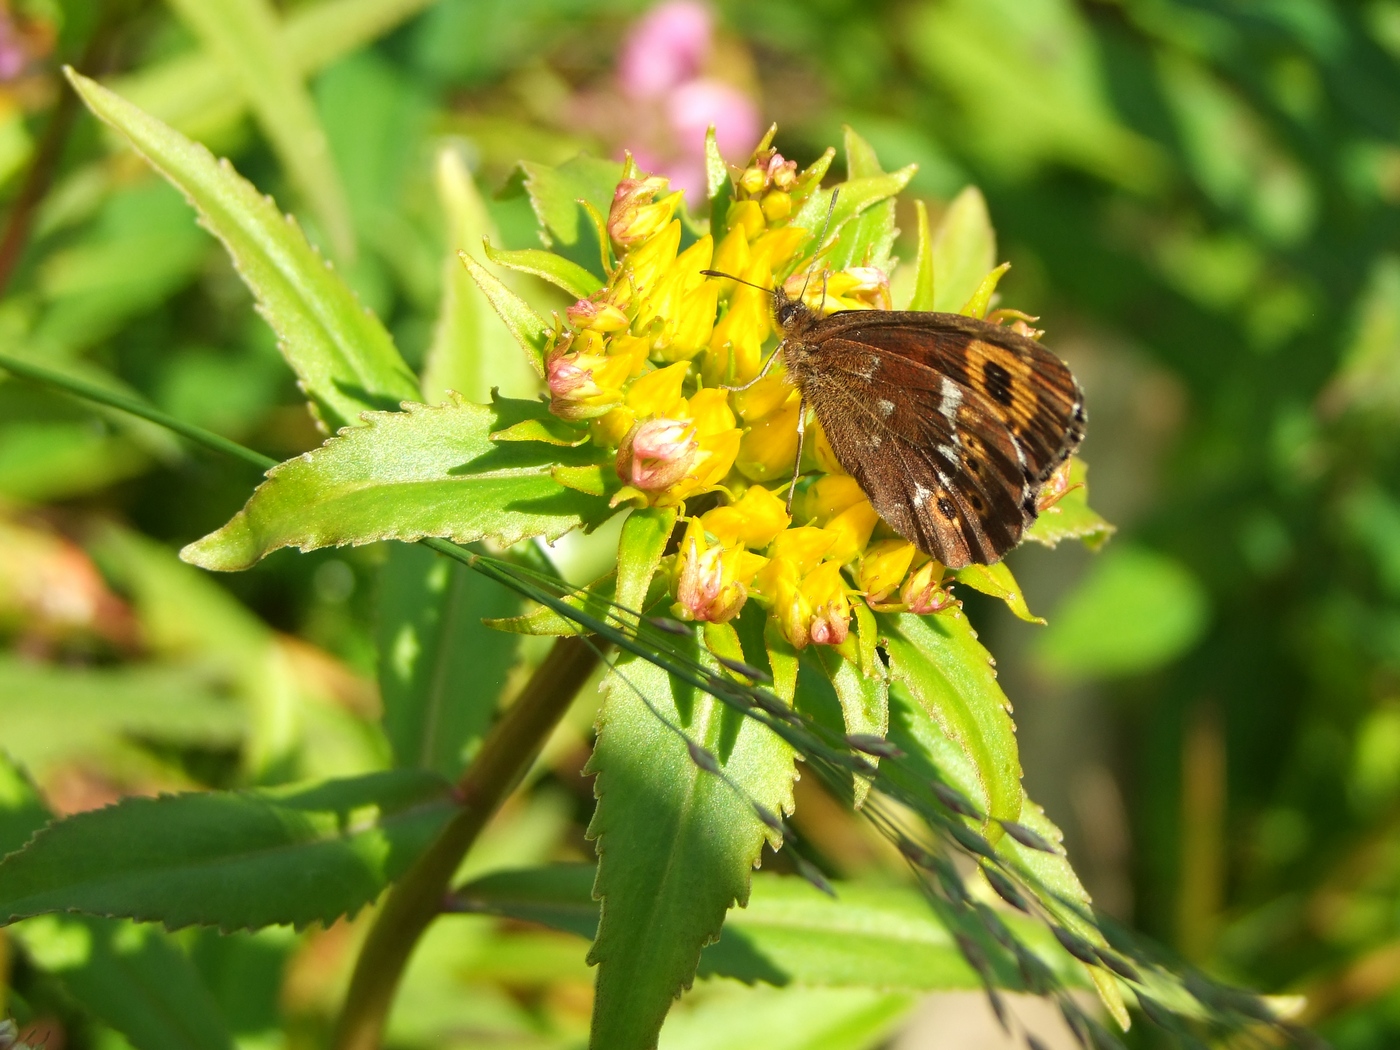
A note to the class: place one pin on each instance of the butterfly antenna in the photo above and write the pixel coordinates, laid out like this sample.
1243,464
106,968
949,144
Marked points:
830,210
731,277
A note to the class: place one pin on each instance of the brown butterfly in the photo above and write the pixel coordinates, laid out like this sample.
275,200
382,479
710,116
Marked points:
950,424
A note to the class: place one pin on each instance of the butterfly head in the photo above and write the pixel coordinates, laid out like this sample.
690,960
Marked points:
792,315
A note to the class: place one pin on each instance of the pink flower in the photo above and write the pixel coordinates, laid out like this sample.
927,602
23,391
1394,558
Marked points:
665,48
691,109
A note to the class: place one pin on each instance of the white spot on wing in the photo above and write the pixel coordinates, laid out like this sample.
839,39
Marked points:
886,407
949,452
921,495
950,398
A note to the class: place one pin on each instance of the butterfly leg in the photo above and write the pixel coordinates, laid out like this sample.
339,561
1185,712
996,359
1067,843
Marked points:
777,351
797,465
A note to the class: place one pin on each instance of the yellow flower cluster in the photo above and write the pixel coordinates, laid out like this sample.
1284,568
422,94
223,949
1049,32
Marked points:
646,363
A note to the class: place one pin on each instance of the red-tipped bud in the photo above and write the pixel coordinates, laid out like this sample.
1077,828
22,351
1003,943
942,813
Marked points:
922,593
597,317
656,454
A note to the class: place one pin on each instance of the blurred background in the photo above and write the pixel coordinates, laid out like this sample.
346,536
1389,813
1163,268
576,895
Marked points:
1199,198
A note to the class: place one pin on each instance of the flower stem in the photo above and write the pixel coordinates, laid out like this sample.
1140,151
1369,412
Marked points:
417,898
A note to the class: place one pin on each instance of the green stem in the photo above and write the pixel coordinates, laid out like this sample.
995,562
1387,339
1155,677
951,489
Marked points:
91,392
417,898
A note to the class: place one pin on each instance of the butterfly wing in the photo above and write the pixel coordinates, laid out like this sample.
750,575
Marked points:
950,424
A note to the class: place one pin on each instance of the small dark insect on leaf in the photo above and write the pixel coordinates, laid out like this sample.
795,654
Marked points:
756,674
1005,888
1028,838
670,626
954,800
1076,945
702,758
812,874
873,745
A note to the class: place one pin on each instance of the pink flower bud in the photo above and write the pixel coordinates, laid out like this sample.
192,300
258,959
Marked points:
633,215
706,585
598,317
922,593
782,173
656,454
573,393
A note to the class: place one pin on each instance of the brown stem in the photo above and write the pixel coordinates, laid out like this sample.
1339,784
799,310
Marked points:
418,897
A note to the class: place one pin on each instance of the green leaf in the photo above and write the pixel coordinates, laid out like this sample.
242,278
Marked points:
1135,610
558,195
939,660
55,714
981,300
676,844
864,700
997,581
643,541
717,183
855,197
245,37
868,240
132,978
555,269
528,327
466,354
406,475
868,936
923,297
964,250
232,859
597,600
343,357
441,670
1071,518
788,1019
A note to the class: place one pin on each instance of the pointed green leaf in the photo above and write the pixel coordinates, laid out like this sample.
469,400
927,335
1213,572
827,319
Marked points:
643,541
406,475
555,269
344,359
964,249
717,184
528,327
245,37
997,581
132,978
470,348
561,197
856,195
939,660
231,859
791,933
923,297
861,162
441,670
676,844
1071,517
981,300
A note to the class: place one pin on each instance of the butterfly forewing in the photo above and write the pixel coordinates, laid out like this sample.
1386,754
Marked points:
950,424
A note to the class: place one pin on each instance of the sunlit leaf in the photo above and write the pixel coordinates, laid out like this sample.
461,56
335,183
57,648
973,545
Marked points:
1071,517
997,581
555,269
406,475
964,250
344,358
939,660
246,38
231,859
676,844
520,319
557,195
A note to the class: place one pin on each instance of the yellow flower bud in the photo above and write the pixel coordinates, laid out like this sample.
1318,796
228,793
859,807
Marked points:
830,495
804,546
747,216
711,582
754,520
776,206
709,407
582,386
658,393
597,317
634,216
648,264
769,448
825,592
732,256
779,582
753,181
851,529
883,566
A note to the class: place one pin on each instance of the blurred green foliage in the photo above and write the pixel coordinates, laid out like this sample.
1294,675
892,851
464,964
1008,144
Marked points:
1201,199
